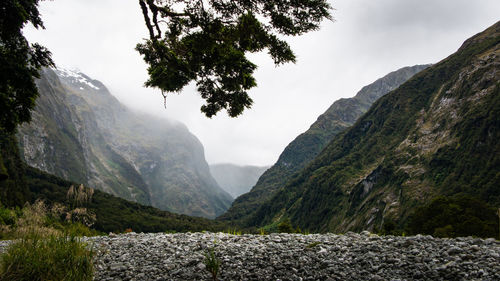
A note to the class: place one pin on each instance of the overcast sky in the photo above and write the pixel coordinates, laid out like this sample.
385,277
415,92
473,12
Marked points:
367,40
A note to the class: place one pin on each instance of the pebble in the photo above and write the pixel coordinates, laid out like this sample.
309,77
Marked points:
289,257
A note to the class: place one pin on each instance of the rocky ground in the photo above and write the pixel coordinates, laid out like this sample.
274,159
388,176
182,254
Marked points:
295,257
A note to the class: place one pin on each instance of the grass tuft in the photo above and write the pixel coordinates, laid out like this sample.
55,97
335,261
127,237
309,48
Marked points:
212,263
45,249
56,257
312,245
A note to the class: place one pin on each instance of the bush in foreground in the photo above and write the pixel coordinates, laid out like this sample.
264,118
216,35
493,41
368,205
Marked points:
57,257
46,248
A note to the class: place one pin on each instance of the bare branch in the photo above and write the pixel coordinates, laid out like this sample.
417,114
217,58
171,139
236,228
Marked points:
154,11
144,9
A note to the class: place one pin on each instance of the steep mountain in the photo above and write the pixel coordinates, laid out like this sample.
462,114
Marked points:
235,179
82,133
435,135
341,115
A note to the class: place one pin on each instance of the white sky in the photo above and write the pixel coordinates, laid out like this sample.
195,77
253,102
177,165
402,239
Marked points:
368,40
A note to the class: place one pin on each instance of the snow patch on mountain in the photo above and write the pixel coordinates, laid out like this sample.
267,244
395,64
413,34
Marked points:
75,77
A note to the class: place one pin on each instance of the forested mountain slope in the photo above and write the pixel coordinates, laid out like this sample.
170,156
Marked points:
341,115
437,134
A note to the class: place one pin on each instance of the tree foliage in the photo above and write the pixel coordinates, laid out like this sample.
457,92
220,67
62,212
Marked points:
459,215
207,41
114,214
285,226
19,62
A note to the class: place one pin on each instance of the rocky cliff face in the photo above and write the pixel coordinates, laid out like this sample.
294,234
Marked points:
82,133
235,179
437,134
341,115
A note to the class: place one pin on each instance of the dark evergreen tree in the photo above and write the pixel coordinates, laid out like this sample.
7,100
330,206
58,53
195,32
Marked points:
456,216
19,62
19,65
207,41
285,226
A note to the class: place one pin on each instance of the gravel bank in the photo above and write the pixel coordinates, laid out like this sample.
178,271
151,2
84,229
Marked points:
296,257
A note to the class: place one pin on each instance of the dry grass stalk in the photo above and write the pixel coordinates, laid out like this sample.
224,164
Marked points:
81,215
79,196
32,222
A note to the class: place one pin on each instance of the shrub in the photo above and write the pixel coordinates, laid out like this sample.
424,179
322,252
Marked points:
7,217
34,222
212,263
47,248
80,196
285,227
389,227
78,230
7,220
442,232
459,215
56,257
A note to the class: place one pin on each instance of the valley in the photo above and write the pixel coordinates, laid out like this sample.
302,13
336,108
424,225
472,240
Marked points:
399,181
234,179
340,115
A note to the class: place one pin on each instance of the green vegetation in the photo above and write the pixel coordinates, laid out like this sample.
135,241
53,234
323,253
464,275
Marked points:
456,216
233,231
42,218
56,257
116,215
212,263
285,227
313,244
47,247
14,190
341,115
19,62
389,227
434,135
112,214
8,216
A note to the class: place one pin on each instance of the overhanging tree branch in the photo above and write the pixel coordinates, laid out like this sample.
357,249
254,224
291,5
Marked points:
200,37
144,9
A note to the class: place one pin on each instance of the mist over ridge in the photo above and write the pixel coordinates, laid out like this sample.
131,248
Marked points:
82,133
